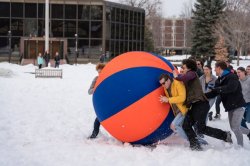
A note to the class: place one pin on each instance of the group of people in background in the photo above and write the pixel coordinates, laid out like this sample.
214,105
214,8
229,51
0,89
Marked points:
192,93
45,59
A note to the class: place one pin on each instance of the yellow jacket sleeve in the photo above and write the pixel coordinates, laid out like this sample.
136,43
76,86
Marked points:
178,93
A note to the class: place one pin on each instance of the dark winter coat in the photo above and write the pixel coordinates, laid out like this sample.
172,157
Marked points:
193,88
46,57
57,59
229,88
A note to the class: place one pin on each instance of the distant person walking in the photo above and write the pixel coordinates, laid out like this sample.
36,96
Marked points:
57,60
40,60
46,57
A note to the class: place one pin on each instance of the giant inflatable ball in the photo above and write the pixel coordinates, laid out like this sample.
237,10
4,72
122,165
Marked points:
126,98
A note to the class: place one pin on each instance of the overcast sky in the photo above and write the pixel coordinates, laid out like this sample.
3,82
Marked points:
170,8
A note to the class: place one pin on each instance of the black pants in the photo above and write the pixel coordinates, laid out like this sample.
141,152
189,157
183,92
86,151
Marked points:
96,127
197,115
40,66
56,64
217,104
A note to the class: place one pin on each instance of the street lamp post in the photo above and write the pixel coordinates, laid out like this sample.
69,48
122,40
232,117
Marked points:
9,35
76,49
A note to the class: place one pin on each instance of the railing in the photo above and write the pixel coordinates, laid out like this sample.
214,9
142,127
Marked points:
49,73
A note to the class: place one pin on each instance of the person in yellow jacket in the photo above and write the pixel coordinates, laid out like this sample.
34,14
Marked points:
175,92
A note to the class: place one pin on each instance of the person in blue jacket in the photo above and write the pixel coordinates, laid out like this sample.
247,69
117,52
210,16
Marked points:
40,60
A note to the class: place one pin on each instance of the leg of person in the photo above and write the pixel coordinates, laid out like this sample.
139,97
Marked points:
246,117
96,129
187,127
201,109
217,107
210,116
177,123
235,123
243,121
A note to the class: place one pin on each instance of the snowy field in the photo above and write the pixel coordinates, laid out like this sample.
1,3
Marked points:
45,122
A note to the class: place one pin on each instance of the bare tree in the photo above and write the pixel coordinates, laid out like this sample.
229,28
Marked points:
235,25
151,7
187,8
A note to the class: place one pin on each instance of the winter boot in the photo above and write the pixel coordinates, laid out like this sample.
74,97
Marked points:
217,117
210,116
229,137
93,135
248,135
195,145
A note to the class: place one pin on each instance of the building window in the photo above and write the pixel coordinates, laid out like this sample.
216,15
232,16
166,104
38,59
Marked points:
83,12
41,28
96,12
118,16
113,14
30,10
96,29
30,27
17,27
83,47
108,13
57,28
122,15
113,29
70,28
17,10
126,15
4,44
83,29
4,9
70,11
4,26
41,10
117,32
57,11
108,30
96,47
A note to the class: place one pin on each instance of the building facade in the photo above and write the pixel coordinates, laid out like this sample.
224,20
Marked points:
176,36
78,28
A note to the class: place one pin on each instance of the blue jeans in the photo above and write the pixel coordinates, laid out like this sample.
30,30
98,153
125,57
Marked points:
246,117
177,122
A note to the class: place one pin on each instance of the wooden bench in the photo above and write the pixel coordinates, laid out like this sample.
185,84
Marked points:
48,73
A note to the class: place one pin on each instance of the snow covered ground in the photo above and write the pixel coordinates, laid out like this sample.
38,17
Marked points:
45,122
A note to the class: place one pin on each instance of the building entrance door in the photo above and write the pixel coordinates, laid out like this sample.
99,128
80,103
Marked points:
31,47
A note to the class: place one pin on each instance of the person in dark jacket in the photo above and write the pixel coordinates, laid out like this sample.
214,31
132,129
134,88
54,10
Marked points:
46,57
57,60
229,88
198,106
96,129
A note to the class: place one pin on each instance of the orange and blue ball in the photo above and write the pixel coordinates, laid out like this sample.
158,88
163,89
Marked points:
126,98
